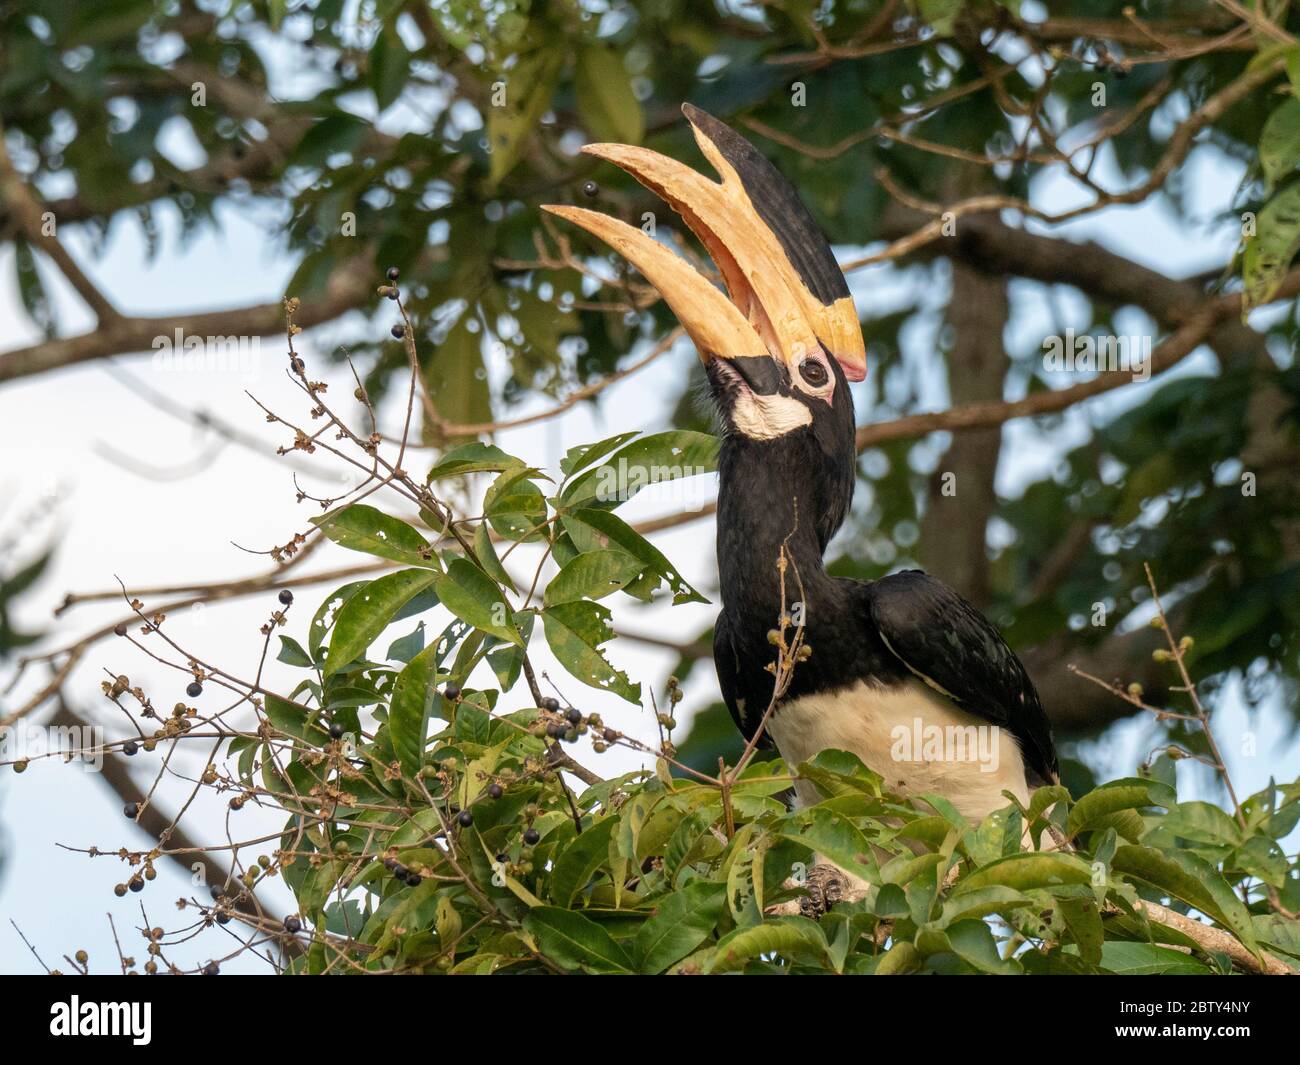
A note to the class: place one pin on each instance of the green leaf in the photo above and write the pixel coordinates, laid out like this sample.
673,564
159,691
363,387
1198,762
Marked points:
1279,143
292,654
1083,918
837,838
1269,252
457,379
654,459
527,91
469,593
369,611
592,575
795,938
580,860
836,772
901,958
1278,931
388,66
411,706
577,459
980,903
606,103
593,530
339,132
1184,876
31,289
973,942
574,941
292,720
1202,822
1113,797
404,648
575,632
487,558
515,506
1033,869
472,458
1147,959
362,528
680,922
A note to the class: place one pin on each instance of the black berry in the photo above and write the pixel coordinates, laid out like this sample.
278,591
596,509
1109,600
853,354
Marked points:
495,791
136,883
550,704
119,629
194,690
131,810
554,731
292,925
451,691
414,879
464,819
286,596
609,735
223,918
130,747
398,331
574,715
531,836
393,273
336,730
590,189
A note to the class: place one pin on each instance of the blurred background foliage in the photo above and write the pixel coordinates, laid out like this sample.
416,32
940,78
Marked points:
425,136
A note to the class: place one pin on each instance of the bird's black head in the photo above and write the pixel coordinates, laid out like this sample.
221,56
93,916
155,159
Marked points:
787,432
780,352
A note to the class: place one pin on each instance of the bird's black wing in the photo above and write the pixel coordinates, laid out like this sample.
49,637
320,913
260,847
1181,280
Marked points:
954,648
740,702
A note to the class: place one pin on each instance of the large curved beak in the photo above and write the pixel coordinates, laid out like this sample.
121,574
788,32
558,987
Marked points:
787,292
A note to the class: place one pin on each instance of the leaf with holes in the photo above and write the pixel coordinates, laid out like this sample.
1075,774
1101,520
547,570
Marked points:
469,593
575,632
1269,252
369,611
363,528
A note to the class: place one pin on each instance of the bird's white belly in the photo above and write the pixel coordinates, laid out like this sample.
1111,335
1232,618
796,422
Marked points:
915,738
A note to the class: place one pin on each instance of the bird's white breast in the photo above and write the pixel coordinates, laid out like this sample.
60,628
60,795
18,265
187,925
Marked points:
915,738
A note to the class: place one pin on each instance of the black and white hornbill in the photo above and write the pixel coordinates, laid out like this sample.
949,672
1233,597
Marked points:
892,659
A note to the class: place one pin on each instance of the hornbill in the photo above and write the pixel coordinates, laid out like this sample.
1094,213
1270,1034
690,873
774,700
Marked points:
891,659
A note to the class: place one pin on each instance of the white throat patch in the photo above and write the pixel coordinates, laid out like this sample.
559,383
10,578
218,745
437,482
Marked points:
767,417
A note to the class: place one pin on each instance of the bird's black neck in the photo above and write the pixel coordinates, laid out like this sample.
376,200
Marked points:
774,495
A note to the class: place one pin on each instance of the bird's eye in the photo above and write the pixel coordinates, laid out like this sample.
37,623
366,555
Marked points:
813,371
